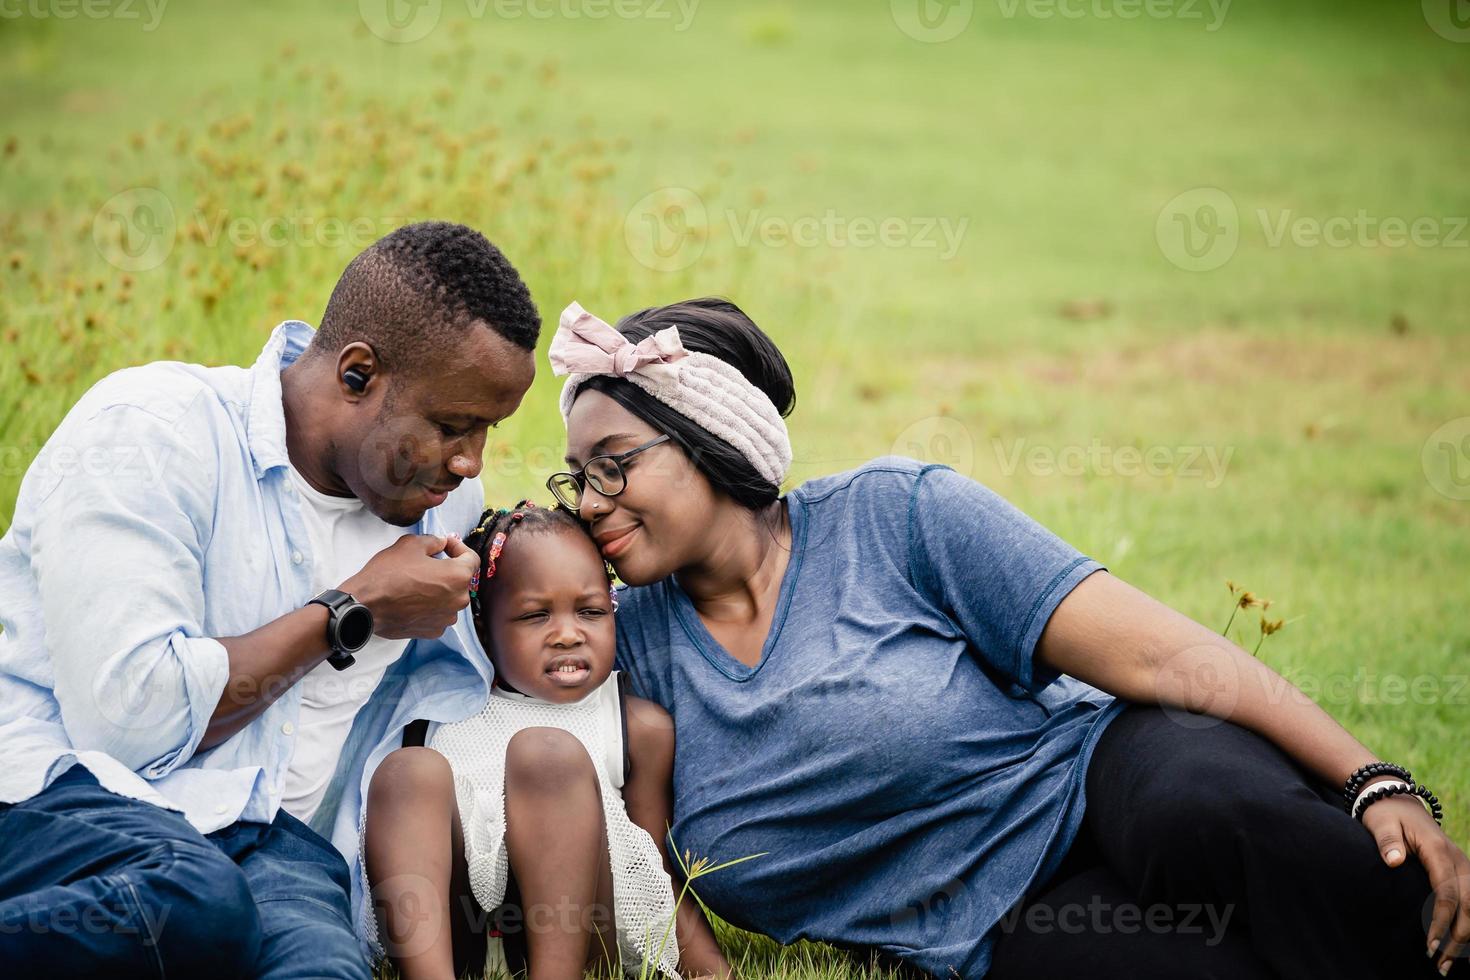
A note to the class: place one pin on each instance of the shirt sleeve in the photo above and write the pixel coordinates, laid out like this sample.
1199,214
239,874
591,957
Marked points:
118,556
637,643
625,658
992,569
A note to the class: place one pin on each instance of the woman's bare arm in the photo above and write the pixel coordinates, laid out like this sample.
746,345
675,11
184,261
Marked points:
1120,640
648,795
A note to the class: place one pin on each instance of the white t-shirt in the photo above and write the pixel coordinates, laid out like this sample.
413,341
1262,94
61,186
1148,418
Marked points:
344,534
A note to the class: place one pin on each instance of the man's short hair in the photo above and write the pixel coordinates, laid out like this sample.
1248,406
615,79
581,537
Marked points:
413,293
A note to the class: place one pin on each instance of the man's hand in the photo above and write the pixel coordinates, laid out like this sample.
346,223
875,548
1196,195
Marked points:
412,595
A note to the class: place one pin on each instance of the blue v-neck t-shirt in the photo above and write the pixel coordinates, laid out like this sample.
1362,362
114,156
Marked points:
905,767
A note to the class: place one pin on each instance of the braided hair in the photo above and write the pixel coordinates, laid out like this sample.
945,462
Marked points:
489,536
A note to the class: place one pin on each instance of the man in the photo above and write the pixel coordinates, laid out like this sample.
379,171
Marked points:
188,675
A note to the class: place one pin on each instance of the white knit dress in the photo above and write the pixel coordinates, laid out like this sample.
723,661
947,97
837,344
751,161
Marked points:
643,898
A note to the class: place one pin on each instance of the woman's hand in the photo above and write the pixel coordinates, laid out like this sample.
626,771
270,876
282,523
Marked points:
1401,826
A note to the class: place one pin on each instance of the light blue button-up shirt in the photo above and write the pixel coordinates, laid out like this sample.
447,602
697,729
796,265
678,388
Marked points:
157,516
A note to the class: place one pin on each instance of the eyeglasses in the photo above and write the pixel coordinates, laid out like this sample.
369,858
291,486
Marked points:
605,473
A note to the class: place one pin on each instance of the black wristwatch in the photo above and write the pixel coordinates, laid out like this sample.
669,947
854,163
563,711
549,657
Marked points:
349,627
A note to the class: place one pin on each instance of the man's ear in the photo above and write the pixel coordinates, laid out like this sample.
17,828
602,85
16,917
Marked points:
357,370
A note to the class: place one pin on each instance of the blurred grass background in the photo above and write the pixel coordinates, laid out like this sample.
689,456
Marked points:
178,179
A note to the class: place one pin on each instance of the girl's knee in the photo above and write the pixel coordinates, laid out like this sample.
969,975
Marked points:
547,759
411,775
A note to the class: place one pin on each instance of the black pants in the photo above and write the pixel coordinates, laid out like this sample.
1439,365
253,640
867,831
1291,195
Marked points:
1206,852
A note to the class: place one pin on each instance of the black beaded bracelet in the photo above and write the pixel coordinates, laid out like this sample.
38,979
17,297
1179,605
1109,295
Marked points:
1432,801
1372,770
1381,793
1412,789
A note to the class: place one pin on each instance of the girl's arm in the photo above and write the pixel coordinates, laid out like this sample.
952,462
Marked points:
1119,639
648,795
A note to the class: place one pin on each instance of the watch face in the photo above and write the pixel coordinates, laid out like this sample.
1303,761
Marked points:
354,628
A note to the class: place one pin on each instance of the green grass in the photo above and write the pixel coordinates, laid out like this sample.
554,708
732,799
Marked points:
1318,372
752,955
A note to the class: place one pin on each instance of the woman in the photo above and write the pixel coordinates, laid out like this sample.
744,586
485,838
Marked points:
866,680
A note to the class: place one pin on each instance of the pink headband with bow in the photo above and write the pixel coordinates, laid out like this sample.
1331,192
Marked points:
701,387
583,344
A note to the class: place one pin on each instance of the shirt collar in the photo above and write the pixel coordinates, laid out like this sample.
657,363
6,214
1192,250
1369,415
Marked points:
266,424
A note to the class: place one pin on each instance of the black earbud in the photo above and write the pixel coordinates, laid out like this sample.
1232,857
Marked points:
355,379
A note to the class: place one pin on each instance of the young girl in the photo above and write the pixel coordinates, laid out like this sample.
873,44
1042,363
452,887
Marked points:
517,809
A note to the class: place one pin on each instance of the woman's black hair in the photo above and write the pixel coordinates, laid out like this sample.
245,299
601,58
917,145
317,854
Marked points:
524,514
718,327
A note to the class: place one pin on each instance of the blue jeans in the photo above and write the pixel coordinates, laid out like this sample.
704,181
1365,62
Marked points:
95,884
